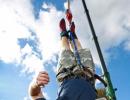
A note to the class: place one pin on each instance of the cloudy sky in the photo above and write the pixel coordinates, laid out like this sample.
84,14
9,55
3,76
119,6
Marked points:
29,42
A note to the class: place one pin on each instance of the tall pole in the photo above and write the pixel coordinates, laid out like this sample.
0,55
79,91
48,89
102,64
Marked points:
69,4
110,90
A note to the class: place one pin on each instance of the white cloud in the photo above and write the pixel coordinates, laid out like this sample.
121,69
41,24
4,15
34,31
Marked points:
32,64
48,32
9,32
45,6
11,29
8,48
16,20
26,50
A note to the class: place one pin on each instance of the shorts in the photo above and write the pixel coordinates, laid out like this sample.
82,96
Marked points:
68,60
76,89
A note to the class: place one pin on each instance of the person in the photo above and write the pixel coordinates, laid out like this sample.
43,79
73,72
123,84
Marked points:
75,83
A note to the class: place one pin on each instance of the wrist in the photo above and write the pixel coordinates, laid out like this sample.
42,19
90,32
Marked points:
35,89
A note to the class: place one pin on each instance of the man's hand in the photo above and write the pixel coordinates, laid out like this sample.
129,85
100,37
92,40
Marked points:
35,87
42,78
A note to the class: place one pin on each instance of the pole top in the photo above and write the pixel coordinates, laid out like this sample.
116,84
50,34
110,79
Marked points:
69,15
69,4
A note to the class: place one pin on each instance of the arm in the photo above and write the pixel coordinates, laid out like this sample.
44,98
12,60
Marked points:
35,86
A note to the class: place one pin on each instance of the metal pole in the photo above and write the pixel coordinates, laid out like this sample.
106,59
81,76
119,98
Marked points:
110,90
68,4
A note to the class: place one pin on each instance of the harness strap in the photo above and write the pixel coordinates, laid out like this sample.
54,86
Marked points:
77,72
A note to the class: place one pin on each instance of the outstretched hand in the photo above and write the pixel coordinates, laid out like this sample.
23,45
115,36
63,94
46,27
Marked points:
35,86
42,78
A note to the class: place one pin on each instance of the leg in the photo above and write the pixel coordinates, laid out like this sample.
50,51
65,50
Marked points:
66,57
64,36
77,42
64,43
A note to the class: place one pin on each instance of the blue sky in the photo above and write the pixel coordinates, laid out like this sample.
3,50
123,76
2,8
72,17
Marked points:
29,42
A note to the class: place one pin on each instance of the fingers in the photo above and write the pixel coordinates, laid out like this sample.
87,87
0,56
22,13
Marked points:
42,78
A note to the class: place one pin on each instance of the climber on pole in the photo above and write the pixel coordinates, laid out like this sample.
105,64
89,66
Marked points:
75,83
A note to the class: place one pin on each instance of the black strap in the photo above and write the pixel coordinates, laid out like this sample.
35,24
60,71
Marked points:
41,99
66,70
64,34
100,79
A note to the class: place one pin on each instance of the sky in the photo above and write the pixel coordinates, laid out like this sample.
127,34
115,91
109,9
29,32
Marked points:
29,42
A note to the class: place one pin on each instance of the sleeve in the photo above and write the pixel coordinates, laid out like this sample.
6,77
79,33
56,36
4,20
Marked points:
41,99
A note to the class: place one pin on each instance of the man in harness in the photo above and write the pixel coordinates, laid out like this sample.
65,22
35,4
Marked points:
75,68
